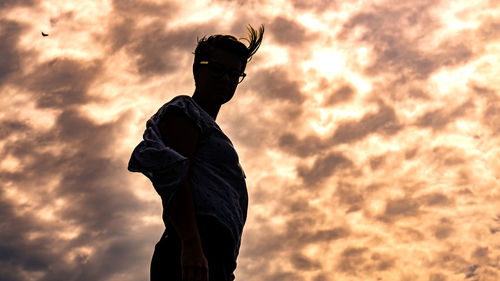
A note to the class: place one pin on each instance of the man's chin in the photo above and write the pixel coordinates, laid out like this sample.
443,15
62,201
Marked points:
223,96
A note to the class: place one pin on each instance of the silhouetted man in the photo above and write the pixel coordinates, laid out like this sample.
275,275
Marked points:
195,168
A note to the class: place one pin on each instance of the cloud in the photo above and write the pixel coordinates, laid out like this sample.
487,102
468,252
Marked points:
395,34
90,198
12,126
323,168
276,84
145,8
349,195
61,82
383,122
489,30
357,261
342,94
445,156
377,162
286,247
436,199
4,5
66,17
451,261
303,263
400,208
289,33
437,277
316,6
307,146
443,229
438,119
12,56
155,48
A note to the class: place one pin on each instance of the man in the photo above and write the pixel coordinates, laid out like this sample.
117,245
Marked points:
195,169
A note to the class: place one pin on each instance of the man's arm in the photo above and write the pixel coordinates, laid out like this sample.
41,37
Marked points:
181,134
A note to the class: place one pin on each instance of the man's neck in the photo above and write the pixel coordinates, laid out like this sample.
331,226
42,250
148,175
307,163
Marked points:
210,108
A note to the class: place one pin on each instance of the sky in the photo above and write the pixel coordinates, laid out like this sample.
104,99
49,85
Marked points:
369,132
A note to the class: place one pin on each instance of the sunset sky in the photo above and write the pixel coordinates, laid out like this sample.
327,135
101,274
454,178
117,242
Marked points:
369,132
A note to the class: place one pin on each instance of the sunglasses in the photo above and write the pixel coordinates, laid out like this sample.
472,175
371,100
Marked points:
218,71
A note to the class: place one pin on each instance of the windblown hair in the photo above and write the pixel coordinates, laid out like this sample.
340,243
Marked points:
231,44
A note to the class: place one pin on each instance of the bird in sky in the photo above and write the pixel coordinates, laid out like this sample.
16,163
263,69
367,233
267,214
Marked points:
44,34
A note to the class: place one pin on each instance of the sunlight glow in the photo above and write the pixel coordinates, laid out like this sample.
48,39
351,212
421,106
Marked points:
69,235
330,63
10,164
80,255
448,81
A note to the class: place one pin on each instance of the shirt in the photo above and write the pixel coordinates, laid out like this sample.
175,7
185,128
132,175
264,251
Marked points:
215,176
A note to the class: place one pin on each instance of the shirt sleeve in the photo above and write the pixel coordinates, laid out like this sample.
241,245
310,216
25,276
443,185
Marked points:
165,167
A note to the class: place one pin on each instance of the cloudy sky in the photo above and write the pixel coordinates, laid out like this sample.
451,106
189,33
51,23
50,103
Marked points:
369,132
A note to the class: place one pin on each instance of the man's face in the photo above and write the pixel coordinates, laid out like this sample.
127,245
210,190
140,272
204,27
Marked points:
218,78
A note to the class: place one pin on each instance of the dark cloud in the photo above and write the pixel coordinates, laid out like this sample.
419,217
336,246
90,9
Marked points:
446,156
438,119
471,271
489,30
20,254
411,153
349,195
276,84
443,229
392,34
268,243
303,263
412,234
399,208
288,32
283,276
437,277
6,4
157,52
96,199
317,6
321,277
309,145
301,230
136,8
12,126
11,54
251,130
491,115
342,94
65,17
481,255
384,121
61,82
435,199
358,260
323,168
121,33
156,49
377,162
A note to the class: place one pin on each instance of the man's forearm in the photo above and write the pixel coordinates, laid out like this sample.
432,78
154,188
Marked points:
182,216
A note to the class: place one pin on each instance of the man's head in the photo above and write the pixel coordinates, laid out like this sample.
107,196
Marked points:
219,64
207,47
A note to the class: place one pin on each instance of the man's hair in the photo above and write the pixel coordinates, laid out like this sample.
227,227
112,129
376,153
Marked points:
230,44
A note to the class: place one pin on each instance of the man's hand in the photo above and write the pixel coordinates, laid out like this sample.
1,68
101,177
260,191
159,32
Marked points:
194,264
